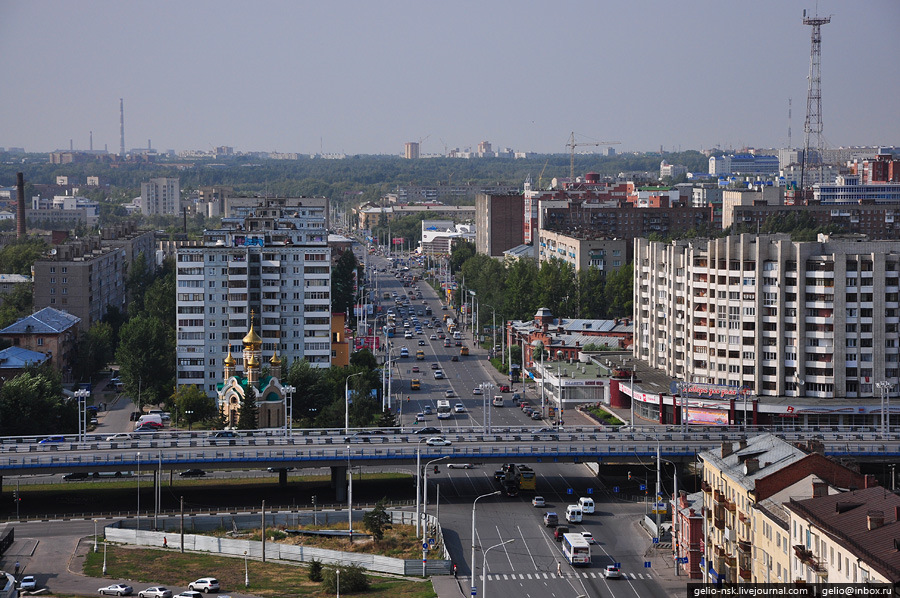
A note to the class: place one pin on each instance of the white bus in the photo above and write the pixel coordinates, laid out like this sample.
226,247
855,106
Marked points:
443,409
576,549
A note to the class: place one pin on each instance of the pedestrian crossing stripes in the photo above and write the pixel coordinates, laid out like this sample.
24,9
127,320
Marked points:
541,575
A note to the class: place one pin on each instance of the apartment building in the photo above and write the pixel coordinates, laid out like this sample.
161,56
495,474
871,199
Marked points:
499,223
583,251
276,264
743,484
161,196
86,276
771,316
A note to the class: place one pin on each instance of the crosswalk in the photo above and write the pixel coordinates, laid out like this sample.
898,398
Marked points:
542,575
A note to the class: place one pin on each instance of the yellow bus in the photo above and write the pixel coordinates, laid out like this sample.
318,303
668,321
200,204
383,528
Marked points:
527,479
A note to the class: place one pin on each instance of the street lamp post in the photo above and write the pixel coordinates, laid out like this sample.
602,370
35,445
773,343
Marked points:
474,502
246,572
190,419
81,396
104,557
487,389
484,563
347,401
559,398
95,535
289,408
139,491
349,495
539,346
884,386
425,493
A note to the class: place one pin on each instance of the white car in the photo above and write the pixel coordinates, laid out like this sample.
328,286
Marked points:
156,592
589,537
205,584
538,501
611,572
117,589
438,374
460,466
438,441
459,408
28,583
120,437
477,391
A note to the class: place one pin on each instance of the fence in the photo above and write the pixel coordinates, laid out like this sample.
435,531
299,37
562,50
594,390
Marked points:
126,532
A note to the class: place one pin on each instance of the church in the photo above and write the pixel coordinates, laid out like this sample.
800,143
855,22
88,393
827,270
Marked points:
267,390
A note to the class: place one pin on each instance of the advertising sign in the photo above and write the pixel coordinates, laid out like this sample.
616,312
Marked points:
708,417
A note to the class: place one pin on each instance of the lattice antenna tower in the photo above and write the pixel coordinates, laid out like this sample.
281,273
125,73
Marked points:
813,125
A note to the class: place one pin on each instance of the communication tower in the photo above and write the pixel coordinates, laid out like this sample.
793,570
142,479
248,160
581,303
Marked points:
814,146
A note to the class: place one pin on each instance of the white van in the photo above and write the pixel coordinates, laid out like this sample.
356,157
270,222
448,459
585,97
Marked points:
573,514
587,505
150,417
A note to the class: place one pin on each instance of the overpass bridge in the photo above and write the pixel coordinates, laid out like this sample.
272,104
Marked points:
319,448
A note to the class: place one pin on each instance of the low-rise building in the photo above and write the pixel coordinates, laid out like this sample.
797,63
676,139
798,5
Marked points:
48,331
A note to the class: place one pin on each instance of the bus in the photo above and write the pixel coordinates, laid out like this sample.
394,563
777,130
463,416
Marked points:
527,479
576,549
389,331
443,409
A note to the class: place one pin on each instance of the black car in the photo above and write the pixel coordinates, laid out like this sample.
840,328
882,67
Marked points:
428,430
192,473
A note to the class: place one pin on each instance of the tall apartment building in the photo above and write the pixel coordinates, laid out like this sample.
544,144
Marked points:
275,266
411,150
499,223
85,277
161,196
775,317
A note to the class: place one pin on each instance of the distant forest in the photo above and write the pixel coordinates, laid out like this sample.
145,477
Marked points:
348,181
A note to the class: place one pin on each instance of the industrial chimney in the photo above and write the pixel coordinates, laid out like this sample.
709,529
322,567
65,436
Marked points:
20,207
121,127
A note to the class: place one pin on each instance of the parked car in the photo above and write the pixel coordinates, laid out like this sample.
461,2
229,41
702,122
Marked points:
189,594
117,589
156,592
28,584
205,584
538,501
192,473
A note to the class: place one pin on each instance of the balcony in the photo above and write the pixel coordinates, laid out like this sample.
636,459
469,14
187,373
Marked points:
745,574
719,523
730,506
704,485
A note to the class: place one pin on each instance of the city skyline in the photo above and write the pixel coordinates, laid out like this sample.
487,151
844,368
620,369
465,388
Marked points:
364,78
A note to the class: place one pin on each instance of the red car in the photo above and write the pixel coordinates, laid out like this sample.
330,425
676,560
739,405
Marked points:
504,388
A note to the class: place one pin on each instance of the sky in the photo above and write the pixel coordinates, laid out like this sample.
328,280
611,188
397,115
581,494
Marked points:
364,76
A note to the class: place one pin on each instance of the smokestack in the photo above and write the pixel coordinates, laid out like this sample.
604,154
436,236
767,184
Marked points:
71,145
149,147
121,127
20,208
92,141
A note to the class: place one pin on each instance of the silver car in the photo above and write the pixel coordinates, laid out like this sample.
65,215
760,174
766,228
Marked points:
156,592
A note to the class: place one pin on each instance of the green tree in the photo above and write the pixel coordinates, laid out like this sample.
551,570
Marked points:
16,305
18,256
138,279
159,298
342,280
377,520
619,292
387,419
190,397
145,356
32,404
315,570
363,359
312,395
249,418
353,579
95,350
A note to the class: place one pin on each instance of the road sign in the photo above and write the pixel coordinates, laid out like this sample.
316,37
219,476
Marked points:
568,491
615,488
643,487
646,564
474,591
590,490
656,540
424,545
618,565
431,541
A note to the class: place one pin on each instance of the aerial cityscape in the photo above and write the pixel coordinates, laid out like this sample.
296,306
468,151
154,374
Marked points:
449,300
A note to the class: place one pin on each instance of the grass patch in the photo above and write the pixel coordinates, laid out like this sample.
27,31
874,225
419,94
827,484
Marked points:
171,567
605,416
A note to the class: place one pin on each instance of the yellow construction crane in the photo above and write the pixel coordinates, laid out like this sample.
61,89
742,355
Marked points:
541,176
572,145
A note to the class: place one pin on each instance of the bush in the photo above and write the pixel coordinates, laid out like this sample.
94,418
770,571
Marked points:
353,579
315,570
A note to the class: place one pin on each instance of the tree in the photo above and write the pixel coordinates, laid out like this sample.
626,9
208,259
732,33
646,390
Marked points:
315,570
16,304
32,404
249,419
353,579
95,350
619,292
387,419
343,277
139,278
377,520
190,397
146,366
363,359
18,256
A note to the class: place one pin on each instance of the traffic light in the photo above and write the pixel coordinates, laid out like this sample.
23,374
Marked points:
629,475
436,470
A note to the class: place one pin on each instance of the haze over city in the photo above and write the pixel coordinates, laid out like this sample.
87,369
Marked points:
364,77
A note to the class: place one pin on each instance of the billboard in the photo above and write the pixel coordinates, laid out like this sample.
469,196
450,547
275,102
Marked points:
707,417
397,240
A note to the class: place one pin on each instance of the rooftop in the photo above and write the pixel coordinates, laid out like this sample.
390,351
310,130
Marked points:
45,321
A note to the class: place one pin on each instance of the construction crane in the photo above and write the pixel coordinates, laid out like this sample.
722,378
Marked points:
572,145
541,176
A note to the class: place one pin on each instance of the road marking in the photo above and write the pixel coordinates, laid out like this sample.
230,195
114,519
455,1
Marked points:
525,544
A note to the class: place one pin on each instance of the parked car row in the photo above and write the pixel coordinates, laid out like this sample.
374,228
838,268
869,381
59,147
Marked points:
204,584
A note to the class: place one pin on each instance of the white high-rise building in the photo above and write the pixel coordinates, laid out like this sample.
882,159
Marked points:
274,266
774,317
161,196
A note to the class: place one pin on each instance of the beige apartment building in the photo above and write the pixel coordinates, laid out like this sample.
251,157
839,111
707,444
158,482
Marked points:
601,254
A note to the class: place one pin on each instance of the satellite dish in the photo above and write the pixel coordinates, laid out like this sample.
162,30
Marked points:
53,252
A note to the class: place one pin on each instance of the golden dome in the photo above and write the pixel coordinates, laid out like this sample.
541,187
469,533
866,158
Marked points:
253,362
229,361
275,359
252,338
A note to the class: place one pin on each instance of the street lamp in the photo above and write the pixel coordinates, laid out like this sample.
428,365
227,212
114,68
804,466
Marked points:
81,396
347,401
885,387
190,419
487,389
288,400
246,572
139,491
349,495
484,563
559,411
425,493
104,557
474,502
494,330
539,346
95,535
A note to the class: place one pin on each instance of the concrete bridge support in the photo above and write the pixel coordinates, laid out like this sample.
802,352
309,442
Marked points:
339,482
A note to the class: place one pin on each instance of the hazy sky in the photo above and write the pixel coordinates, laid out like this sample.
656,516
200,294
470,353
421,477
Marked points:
367,76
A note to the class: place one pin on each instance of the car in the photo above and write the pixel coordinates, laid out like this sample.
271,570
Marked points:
551,519
504,388
517,399
189,594
458,343
151,424
443,308
426,410
460,466
421,342
477,391
446,342
279,469
438,441
28,583
611,572
120,437
449,394
420,417
117,589
538,501
78,475
205,584
499,474
454,358
52,439
442,336
559,532
428,430
438,374
433,337
589,537
415,369
225,434
434,366
192,473
459,408
155,592
536,416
